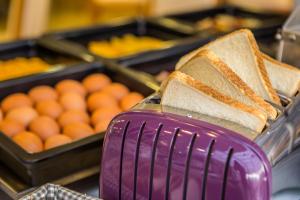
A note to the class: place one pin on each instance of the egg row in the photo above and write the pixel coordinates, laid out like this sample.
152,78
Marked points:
69,111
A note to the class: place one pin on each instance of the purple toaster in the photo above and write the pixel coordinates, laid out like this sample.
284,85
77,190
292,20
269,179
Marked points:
158,153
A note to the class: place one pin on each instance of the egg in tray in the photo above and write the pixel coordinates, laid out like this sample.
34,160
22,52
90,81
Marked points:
47,117
126,45
21,66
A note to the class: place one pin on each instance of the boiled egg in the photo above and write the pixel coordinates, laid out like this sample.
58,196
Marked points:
69,85
95,82
29,141
100,100
15,101
44,127
78,130
43,93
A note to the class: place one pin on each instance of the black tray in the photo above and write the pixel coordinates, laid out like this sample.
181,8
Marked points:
31,48
186,22
46,166
154,63
105,32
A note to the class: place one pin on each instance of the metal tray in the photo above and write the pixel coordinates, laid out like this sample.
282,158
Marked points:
52,164
51,191
186,22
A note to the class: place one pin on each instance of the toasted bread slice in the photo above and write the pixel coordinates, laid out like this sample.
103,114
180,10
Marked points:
206,67
184,92
284,78
240,52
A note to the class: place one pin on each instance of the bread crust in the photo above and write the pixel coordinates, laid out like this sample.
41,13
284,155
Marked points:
262,69
198,85
236,81
259,60
278,63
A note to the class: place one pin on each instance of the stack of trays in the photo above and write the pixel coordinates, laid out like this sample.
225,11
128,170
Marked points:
38,168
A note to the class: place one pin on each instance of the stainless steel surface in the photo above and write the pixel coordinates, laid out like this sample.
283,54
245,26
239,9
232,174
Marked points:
289,37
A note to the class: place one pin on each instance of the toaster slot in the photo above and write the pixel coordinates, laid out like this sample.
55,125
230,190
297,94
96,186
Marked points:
187,166
218,170
137,153
206,166
284,99
227,165
154,147
121,158
170,158
279,108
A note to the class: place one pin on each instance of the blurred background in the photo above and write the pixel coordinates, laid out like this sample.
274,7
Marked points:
30,18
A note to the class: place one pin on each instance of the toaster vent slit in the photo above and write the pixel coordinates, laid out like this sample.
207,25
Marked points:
227,165
170,158
206,166
121,159
187,166
137,153
156,137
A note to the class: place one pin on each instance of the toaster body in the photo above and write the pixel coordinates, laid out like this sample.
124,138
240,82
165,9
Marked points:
155,155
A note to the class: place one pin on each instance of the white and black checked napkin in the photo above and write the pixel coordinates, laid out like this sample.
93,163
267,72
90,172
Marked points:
55,192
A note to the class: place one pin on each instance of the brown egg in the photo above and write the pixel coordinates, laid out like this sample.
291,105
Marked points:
101,126
101,99
10,127
44,127
117,90
107,113
1,115
78,130
29,141
42,93
57,140
131,100
50,108
69,85
95,82
23,115
72,116
72,101
15,101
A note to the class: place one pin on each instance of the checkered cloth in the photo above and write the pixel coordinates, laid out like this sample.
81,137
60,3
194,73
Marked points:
55,192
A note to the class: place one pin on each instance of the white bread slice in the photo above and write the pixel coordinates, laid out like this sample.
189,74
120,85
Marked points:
206,67
242,130
240,52
184,92
284,78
